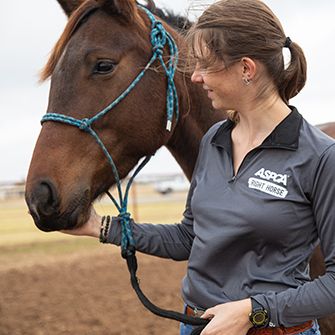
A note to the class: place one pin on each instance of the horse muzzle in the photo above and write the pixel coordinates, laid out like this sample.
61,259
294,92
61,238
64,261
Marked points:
47,212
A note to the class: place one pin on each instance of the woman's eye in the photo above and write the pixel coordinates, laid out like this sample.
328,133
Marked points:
104,67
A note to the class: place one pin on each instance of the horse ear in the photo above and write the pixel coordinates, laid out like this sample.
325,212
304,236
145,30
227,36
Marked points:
127,9
69,6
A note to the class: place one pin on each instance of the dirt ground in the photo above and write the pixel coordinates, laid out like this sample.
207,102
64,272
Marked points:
87,293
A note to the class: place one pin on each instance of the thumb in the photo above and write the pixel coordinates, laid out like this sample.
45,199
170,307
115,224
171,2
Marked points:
209,314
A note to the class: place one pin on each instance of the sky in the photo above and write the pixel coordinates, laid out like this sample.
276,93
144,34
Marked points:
29,29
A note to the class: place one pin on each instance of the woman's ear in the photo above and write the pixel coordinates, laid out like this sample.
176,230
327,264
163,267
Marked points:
249,68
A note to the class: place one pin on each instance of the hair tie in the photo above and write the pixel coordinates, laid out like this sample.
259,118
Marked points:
287,55
288,42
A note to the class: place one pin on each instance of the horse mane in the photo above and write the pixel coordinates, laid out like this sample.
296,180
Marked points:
80,15
180,23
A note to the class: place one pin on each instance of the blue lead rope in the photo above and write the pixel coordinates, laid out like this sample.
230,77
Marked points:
160,38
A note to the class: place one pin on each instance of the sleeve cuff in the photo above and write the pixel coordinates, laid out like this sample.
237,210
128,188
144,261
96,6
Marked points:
268,301
114,233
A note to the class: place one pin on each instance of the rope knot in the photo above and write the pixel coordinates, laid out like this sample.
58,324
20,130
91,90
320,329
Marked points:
125,215
158,49
158,37
85,124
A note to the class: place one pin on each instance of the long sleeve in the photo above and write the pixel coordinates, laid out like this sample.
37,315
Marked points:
315,298
163,240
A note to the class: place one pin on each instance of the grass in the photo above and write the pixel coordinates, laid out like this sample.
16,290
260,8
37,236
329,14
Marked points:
20,240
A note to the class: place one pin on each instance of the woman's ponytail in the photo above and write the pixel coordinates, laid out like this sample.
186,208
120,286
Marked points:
294,77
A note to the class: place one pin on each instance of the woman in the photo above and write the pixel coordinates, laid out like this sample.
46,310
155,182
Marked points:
262,192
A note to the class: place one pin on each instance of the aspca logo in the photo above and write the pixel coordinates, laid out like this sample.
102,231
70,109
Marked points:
269,175
263,183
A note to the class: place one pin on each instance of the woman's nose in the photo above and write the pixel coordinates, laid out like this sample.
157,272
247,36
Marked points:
197,76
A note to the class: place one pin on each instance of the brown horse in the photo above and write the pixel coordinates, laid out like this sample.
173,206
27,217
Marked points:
90,67
103,47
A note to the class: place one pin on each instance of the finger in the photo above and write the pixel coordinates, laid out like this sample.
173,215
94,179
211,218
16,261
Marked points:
71,232
209,313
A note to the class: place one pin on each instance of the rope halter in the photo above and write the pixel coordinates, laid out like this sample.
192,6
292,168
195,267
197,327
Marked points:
160,39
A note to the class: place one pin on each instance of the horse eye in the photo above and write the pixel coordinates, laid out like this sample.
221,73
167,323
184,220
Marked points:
104,67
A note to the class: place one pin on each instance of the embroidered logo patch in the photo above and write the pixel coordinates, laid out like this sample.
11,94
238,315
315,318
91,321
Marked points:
268,186
269,175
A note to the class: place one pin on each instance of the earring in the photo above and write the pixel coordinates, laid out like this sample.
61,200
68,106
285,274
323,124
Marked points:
246,81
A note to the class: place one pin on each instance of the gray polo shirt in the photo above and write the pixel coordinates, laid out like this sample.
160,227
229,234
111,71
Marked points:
251,235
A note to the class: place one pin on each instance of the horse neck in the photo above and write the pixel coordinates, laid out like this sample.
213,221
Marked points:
196,117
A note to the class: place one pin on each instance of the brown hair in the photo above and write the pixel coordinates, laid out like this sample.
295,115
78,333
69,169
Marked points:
233,29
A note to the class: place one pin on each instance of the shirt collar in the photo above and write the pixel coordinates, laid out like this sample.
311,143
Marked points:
284,136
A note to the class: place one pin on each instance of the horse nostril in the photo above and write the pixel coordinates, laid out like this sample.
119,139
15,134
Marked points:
45,200
33,212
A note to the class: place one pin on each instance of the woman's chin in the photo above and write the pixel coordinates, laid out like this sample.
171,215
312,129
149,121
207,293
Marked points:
217,105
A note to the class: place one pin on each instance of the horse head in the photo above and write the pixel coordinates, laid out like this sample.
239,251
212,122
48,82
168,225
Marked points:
104,46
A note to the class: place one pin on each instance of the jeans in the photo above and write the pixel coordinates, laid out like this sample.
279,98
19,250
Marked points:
187,330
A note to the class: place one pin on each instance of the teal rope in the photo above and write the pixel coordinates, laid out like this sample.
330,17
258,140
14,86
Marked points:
127,240
159,38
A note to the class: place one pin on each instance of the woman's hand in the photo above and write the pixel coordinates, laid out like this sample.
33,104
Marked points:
90,228
231,318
